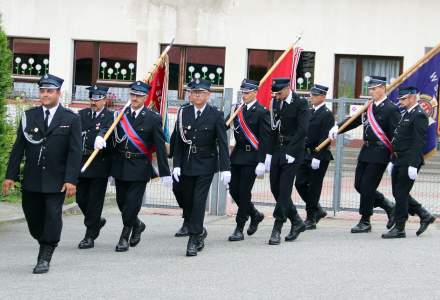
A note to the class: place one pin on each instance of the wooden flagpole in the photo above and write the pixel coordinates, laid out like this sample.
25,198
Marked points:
116,121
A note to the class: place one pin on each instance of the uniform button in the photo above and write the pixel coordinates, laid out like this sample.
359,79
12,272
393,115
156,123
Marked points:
44,157
44,168
194,137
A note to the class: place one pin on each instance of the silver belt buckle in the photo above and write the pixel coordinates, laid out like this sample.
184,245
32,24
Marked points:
127,155
193,149
248,148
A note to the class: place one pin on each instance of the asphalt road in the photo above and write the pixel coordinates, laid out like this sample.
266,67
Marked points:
327,263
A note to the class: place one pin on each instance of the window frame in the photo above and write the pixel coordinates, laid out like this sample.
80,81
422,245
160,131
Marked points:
358,72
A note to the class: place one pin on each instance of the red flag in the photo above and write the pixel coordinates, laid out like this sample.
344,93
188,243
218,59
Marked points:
285,66
157,97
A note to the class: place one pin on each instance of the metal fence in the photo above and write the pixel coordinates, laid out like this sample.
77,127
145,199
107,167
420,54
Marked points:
338,193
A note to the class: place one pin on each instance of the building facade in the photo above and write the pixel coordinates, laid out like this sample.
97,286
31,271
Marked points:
113,42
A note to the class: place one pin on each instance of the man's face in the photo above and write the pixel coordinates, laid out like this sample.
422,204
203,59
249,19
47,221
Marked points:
248,96
97,105
408,101
282,95
49,97
377,93
137,101
199,97
315,100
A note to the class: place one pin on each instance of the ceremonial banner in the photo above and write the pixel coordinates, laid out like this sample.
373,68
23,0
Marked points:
424,75
285,66
157,98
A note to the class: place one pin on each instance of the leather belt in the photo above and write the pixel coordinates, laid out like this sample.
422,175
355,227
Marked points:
374,144
196,149
131,155
246,147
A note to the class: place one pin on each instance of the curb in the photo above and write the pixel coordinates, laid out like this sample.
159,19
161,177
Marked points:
68,209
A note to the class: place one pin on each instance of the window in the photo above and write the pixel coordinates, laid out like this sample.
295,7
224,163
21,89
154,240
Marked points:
260,61
352,71
30,58
187,63
106,63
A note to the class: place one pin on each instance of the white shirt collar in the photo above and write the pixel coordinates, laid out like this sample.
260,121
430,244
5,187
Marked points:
197,109
137,111
98,112
319,106
250,104
51,110
412,107
289,98
377,103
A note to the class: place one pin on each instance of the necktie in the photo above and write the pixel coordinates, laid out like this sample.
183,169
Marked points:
133,115
94,115
245,108
46,119
198,114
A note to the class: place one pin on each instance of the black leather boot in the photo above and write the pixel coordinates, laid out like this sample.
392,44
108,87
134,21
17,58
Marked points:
398,231
102,222
426,219
297,227
193,244
136,234
183,231
275,237
320,214
237,235
256,219
122,246
310,221
388,207
44,258
363,226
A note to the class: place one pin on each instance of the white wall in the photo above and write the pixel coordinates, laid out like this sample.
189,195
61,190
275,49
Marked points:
375,27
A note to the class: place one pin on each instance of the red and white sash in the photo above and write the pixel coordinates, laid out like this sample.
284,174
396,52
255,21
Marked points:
377,129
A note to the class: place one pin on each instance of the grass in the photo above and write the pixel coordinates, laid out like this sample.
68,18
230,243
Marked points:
15,197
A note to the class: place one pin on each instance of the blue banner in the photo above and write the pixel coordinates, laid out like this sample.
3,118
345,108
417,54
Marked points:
426,79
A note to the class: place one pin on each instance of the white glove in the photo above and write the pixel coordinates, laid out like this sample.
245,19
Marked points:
333,133
412,173
100,143
290,159
315,164
267,162
390,168
259,170
225,177
167,181
176,174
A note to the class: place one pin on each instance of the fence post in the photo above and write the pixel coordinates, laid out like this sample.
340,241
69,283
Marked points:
218,189
337,184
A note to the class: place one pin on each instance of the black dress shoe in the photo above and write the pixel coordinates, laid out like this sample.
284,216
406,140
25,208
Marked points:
361,227
310,224
237,235
320,214
424,224
275,237
183,231
192,247
44,258
122,245
297,227
255,221
136,234
395,233
86,243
